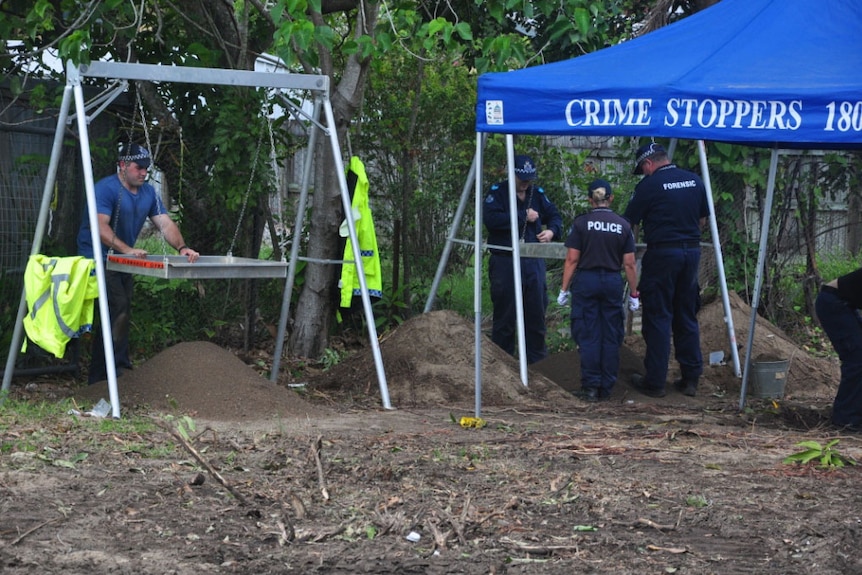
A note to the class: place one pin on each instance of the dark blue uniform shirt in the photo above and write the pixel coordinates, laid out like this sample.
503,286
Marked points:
670,203
495,215
602,237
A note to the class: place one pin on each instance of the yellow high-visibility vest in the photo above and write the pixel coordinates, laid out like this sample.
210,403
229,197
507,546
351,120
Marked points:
61,295
367,238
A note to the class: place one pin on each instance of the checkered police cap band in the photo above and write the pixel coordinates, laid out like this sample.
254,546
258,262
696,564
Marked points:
135,153
648,151
525,168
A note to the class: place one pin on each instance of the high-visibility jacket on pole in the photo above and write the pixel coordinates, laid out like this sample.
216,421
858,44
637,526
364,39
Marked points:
61,295
367,238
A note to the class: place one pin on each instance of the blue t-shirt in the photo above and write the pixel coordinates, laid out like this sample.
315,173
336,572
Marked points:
128,220
670,203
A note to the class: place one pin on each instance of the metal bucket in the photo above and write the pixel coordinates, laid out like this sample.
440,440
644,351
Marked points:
769,378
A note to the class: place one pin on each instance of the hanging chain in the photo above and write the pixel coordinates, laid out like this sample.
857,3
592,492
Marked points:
529,201
282,235
247,193
159,203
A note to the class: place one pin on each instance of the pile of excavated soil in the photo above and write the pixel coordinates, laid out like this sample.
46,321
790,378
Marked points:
429,360
206,381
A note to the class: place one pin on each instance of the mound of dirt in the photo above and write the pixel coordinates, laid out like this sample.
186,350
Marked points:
808,377
429,361
203,380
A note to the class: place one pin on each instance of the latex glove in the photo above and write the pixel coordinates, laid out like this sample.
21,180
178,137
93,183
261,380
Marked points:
634,302
563,298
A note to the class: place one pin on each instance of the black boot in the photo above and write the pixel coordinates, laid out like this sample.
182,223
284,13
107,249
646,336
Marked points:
686,386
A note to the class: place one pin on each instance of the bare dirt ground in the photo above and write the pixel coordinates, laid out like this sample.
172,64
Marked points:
312,475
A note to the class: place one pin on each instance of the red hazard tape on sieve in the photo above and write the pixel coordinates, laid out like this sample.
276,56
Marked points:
137,262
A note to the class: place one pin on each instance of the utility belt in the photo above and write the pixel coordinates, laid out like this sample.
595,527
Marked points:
689,245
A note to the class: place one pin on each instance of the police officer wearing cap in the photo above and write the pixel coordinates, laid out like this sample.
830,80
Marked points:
600,245
538,221
672,207
124,202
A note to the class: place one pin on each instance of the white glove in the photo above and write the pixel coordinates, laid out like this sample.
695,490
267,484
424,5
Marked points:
563,298
634,303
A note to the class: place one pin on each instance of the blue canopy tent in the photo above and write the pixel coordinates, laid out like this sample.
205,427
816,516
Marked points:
775,73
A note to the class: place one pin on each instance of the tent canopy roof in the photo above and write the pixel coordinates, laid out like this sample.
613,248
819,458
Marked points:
760,72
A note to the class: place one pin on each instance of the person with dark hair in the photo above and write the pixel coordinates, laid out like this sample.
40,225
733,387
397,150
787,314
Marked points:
124,202
837,308
600,245
672,205
538,221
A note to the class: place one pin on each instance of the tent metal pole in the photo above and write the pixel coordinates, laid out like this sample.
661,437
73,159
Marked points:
294,246
453,230
719,260
516,258
357,254
41,224
477,271
758,278
74,79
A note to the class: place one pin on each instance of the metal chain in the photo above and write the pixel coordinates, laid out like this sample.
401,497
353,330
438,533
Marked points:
282,235
247,193
529,201
159,203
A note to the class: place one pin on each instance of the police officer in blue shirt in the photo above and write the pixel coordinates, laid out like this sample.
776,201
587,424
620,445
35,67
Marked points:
672,205
538,221
600,245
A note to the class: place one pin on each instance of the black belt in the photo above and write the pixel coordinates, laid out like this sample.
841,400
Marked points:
673,245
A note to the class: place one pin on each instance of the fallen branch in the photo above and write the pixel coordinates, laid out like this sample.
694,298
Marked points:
440,538
210,469
34,529
315,451
537,549
654,525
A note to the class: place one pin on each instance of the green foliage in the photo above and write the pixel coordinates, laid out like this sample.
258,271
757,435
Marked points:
457,292
165,312
330,358
185,425
835,265
390,310
826,456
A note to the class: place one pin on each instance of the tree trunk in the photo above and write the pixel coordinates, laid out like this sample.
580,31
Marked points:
316,304
315,308
408,188
807,203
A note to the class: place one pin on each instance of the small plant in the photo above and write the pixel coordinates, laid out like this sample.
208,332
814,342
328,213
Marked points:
826,455
330,358
696,501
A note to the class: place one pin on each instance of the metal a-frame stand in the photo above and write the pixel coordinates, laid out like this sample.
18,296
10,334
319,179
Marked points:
316,84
